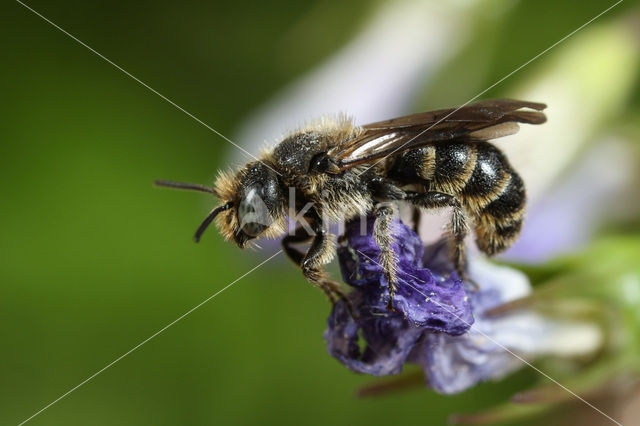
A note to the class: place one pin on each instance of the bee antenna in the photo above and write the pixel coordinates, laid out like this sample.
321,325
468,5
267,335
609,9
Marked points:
207,220
186,186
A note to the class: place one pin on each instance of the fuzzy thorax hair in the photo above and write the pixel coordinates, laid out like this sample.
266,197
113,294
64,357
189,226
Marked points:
339,128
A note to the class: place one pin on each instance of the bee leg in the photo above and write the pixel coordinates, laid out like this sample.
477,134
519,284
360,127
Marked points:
314,275
320,252
320,278
458,227
311,262
384,213
385,192
300,235
458,230
415,219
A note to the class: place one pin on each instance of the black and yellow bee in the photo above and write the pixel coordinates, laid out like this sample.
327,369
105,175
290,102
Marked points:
337,171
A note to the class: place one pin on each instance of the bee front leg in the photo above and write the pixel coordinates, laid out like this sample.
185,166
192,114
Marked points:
384,213
315,275
300,235
320,252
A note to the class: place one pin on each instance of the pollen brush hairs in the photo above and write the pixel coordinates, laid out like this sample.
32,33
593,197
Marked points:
339,171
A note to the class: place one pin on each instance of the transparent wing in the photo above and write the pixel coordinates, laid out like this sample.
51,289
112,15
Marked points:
479,121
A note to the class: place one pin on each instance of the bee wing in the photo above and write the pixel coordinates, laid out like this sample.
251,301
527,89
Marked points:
479,121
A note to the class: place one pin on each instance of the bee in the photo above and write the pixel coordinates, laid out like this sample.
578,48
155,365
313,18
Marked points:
334,170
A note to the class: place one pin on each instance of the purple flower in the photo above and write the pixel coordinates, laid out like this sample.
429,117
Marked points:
425,299
455,363
388,339
439,324
379,342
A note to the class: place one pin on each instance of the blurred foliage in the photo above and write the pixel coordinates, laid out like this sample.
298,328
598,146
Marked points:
94,260
600,284
509,35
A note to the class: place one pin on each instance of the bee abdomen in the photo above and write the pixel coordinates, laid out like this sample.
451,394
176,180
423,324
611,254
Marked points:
500,221
479,175
490,177
452,166
510,203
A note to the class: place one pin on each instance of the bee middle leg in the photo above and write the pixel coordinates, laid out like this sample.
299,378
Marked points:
458,227
384,214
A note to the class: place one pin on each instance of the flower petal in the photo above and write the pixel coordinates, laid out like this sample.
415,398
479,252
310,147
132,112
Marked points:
455,363
435,302
388,340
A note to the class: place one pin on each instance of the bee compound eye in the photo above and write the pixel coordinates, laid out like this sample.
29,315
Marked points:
253,214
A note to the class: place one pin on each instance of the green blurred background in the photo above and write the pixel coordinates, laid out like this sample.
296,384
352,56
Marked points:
94,259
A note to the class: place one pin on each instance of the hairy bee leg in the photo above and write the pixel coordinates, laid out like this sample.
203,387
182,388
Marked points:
311,262
385,191
384,213
331,289
300,235
333,294
459,230
315,275
319,278
458,227
319,253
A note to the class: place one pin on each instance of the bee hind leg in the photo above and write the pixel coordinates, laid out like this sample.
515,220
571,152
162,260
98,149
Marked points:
458,227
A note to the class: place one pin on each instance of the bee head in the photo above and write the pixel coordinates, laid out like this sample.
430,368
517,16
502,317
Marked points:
258,204
253,204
